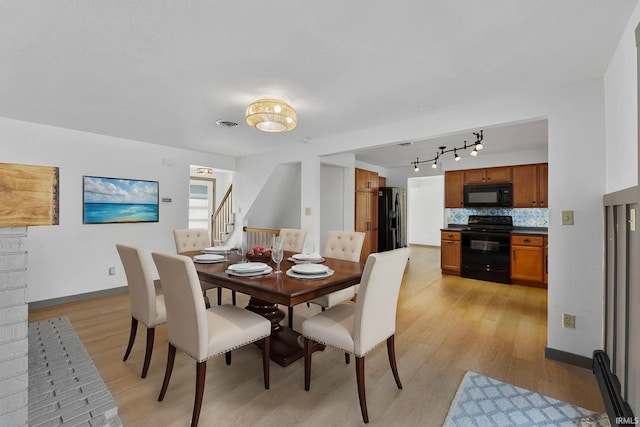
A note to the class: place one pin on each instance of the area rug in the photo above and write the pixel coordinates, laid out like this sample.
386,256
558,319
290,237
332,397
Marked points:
482,401
65,388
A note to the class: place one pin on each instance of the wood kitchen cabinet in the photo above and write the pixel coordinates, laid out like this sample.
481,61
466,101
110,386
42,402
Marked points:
487,175
366,210
530,186
528,260
366,180
450,252
454,189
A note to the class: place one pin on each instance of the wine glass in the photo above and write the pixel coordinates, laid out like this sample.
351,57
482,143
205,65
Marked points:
277,253
240,253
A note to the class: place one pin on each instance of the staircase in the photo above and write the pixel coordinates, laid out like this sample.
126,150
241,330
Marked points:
223,220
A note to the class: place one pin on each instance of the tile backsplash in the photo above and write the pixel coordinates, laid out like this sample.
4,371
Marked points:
525,217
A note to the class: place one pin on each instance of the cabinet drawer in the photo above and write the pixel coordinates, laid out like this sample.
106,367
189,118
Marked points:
450,235
522,240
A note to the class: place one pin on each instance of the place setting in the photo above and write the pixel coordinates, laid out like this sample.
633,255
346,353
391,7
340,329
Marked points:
310,271
249,269
208,258
217,250
307,256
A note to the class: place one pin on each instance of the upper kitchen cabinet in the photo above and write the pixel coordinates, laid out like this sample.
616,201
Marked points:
454,189
366,180
530,186
487,175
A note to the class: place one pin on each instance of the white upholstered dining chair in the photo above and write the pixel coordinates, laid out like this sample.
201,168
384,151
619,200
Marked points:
191,239
292,239
196,239
146,307
358,329
345,245
200,332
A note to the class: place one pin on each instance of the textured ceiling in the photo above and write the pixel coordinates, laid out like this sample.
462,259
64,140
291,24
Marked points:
165,71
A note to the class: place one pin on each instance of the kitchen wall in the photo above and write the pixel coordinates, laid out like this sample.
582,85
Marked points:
425,210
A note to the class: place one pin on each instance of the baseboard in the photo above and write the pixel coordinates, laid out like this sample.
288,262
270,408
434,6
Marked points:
77,297
618,409
570,358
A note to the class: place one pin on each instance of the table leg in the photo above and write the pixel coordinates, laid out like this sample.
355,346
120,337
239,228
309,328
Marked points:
285,346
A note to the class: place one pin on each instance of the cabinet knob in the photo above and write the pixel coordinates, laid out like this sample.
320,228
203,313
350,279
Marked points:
527,240
534,202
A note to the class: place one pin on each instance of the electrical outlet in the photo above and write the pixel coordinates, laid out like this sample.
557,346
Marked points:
112,271
568,320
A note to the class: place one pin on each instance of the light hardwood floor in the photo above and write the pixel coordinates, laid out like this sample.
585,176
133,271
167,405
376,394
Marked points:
446,326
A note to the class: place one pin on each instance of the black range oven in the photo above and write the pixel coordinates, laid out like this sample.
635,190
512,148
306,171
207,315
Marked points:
486,248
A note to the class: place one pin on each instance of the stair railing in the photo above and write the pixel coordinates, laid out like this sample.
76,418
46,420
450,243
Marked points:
259,237
222,218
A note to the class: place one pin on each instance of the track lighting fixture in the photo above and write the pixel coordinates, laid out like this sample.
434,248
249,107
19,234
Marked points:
477,145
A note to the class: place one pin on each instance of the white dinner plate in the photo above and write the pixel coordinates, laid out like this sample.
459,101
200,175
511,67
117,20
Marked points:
216,250
309,268
208,258
247,267
295,275
264,271
297,261
307,257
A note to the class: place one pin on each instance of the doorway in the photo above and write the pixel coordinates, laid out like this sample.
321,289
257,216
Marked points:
201,203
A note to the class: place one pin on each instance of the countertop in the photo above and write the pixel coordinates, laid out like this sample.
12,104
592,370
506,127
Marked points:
541,231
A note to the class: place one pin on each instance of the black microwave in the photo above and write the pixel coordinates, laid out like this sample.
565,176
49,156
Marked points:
488,196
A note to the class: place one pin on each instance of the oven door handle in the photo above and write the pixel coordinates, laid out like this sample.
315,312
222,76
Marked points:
486,233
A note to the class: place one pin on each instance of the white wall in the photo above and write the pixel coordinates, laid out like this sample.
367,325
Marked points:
73,258
332,179
425,210
621,97
278,205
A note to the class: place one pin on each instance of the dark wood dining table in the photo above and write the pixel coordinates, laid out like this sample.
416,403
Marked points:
267,291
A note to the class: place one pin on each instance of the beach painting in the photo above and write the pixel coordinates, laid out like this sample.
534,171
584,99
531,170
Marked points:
117,200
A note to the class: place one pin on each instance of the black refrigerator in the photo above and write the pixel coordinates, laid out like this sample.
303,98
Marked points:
392,218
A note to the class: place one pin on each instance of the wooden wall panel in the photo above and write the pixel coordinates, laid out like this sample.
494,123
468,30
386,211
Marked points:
28,195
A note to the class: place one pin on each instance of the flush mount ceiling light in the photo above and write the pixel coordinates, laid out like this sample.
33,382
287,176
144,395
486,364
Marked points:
442,150
271,115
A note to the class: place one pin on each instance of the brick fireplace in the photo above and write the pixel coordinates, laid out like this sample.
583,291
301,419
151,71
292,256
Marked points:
13,327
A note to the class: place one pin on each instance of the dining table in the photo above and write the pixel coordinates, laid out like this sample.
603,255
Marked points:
267,291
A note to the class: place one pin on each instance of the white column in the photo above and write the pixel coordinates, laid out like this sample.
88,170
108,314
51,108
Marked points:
310,200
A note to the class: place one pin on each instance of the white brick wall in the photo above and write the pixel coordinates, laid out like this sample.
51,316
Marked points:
13,327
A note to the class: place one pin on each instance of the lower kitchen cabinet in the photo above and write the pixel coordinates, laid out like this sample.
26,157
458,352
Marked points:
528,263
450,252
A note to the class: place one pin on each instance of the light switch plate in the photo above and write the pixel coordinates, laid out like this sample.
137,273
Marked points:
567,217
307,211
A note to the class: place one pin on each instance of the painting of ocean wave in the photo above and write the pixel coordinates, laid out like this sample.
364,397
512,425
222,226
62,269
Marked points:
114,200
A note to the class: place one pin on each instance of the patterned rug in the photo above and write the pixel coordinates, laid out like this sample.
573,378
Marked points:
65,388
482,401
